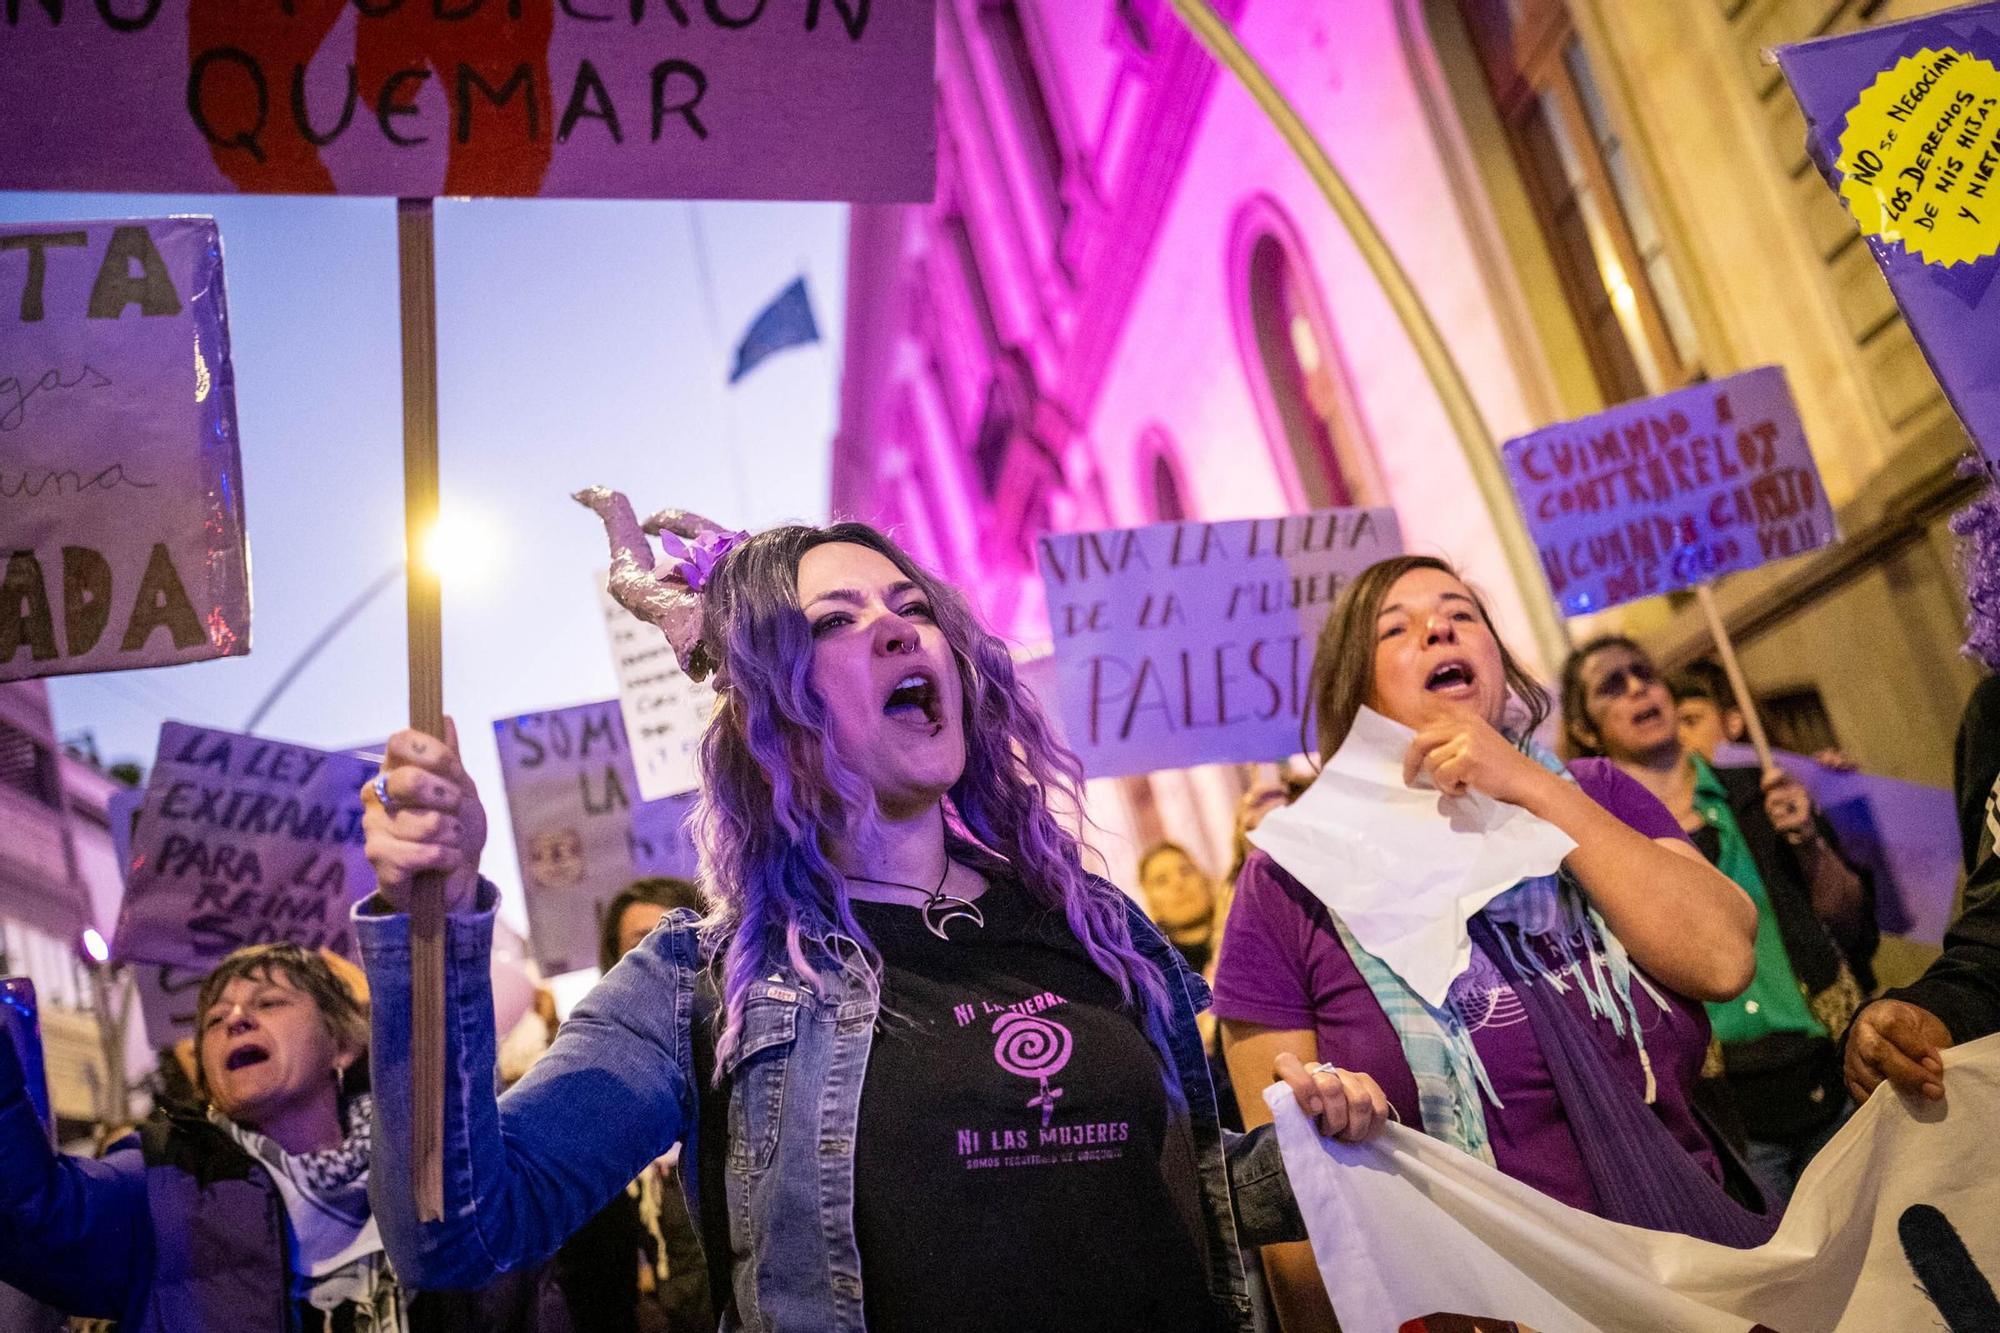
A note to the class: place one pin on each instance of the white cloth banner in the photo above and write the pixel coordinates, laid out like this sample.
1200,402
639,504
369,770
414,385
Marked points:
1896,1225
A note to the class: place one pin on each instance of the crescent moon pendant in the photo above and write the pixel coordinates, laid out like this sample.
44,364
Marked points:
941,911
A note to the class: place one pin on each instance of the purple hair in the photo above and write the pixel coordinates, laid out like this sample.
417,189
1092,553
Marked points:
774,792
1977,527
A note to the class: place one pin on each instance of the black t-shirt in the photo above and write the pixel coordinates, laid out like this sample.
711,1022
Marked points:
1008,1170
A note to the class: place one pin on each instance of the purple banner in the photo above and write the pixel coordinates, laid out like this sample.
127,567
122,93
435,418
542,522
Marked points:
1190,643
121,489
639,99
1904,122
1904,833
580,831
242,840
1668,492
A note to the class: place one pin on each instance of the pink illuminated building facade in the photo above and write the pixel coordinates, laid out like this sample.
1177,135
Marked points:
1130,303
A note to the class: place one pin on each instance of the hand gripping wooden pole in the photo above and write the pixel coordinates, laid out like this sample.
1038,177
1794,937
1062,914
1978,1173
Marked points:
415,252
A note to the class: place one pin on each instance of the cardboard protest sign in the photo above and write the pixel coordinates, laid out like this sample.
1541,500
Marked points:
242,840
122,521
664,711
1190,643
1904,122
580,834
683,99
1667,492
1890,1228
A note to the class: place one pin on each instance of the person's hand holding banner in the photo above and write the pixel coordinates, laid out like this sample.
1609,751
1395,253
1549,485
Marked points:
422,813
1342,1103
1900,1042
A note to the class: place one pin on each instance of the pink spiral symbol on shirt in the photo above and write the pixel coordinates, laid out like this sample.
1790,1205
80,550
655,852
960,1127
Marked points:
1035,1048
1030,1047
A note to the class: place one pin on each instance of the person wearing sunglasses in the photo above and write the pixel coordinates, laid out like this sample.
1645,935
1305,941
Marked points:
1816,928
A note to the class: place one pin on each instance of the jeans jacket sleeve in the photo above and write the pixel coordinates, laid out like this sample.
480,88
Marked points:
74,1233
521,1172
1267,1212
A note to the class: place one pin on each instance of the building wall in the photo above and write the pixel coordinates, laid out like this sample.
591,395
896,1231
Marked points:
58,874
1116,299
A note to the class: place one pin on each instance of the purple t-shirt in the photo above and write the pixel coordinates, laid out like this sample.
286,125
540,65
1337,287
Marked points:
1282,966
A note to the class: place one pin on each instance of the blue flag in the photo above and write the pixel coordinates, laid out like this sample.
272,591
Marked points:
786,322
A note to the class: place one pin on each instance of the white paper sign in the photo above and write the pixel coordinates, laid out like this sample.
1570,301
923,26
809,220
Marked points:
664,711
1892,1227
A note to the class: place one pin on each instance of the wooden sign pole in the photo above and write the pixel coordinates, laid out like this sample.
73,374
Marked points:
1726,650
416,266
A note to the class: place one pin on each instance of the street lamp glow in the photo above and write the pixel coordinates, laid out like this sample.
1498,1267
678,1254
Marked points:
457,547
94,946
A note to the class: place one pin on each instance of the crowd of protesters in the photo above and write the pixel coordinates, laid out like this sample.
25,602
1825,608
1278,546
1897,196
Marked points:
787,1087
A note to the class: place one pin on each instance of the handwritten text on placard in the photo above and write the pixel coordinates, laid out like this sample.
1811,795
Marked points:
121,497
1190,643
671,99
242,840
1671,491
579,829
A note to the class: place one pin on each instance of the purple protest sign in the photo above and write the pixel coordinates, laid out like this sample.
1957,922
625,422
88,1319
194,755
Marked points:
1190,643
725,99
1904,122
1668,492
579,830
242,840
118,458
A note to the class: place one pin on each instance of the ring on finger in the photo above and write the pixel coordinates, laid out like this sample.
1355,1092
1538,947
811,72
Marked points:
381,785
1319,1067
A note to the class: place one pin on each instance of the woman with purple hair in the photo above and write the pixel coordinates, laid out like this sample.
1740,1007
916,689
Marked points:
927,1071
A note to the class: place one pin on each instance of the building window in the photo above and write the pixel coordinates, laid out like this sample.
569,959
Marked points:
1294,367
1606,238
1163,486
1027,97
27,767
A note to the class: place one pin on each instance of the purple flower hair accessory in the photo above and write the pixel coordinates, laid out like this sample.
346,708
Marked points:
692,561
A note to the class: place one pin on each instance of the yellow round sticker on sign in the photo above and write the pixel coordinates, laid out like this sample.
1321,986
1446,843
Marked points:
1920,157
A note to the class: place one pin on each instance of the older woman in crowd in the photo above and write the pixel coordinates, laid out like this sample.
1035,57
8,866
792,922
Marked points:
248,1214
1570,1038
1816,930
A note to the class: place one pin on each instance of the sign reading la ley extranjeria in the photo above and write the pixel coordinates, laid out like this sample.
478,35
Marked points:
1664,493
661,99
243,840
121,489
1190,643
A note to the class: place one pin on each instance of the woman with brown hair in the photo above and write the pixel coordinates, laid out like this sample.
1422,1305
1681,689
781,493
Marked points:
1552,1025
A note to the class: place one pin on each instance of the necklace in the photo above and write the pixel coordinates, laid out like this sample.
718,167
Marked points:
948,907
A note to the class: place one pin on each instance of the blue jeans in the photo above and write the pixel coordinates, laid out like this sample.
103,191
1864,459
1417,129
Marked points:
1779,1165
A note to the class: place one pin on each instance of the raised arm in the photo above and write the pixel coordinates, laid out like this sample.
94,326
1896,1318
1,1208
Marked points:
614,1092
74,1233
1679,918
523,1171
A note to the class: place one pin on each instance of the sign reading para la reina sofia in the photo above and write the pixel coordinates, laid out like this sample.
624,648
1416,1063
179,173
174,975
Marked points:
1664,493
646,99
121,488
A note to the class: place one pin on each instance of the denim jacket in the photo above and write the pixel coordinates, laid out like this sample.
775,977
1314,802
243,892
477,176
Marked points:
617,1089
